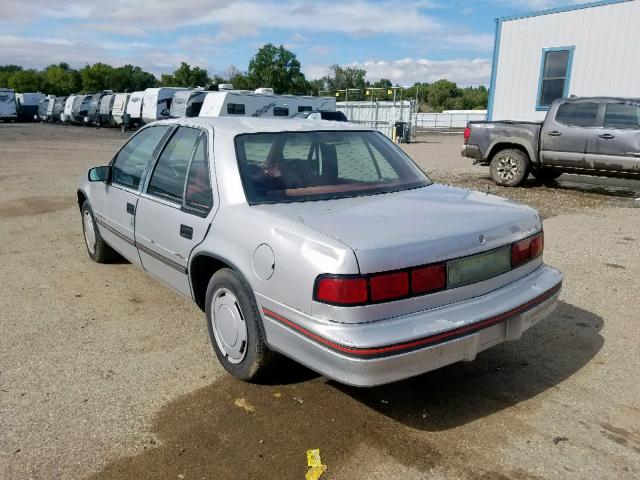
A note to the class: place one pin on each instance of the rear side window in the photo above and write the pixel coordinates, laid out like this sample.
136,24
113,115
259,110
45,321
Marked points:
198,195
280,112
577,114
235,108
135,155
622,116
167,180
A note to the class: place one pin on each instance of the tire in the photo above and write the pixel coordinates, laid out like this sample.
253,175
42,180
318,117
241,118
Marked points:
509,167
546,174
97,248
235,327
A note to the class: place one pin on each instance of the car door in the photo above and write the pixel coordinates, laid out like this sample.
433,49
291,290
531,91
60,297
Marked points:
114,203
616,146
174,211
563,140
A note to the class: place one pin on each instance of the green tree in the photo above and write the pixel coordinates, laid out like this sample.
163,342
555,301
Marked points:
26,81
440,92
278,68
6,71
186,76
130,79
60,80
96,77
341,78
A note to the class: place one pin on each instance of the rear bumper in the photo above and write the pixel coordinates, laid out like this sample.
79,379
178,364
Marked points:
472,151
370,354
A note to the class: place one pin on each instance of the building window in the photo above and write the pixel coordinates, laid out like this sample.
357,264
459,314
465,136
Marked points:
235,108
280,111
555,74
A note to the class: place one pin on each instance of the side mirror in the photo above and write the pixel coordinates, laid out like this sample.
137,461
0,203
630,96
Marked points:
100,174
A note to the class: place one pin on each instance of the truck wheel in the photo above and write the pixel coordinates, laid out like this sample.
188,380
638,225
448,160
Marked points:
97,248
509,167
546,174
235,329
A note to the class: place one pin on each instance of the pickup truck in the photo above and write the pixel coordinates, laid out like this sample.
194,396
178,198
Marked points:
589,136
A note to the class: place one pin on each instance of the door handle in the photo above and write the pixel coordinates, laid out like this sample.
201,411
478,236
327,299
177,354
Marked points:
131,209
554,133
186,231
607,136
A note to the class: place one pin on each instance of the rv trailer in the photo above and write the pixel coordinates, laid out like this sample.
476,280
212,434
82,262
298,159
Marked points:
119,110
28,104
58,109
65,116
134,110
43,107
80,108
156,103
49,113
93,113
8,107
106,107
252,104
187,103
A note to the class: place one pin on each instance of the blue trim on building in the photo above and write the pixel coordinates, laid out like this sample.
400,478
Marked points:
494,69
565,91
564,9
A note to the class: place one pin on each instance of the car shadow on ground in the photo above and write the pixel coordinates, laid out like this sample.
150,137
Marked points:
240,430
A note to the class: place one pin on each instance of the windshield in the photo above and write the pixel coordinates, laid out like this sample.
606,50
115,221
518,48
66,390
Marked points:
301,166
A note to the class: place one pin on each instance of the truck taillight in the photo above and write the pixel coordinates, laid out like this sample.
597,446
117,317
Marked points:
467,134
527,249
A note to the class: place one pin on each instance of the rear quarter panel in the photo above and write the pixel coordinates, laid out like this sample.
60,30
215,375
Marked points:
489,136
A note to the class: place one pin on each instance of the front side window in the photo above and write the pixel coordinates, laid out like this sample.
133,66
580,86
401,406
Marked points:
622,116
135,155
581,114
554,77
167,180
322,165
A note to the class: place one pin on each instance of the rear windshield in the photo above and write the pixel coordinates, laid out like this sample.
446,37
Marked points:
302,166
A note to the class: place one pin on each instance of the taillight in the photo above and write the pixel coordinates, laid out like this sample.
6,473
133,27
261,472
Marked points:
389,286
429,279
342,290
527,249
467,134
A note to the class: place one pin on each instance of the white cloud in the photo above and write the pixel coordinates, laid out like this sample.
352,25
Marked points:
407,71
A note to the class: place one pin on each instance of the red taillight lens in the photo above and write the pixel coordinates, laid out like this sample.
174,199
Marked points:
467,134
429,279
389,286
342,291
526,250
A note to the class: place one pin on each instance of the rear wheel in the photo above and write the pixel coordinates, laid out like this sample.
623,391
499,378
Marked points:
235,327
509,167
97,248
546,174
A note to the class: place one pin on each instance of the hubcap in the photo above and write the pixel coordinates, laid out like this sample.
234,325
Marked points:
89,232
229,327
507,168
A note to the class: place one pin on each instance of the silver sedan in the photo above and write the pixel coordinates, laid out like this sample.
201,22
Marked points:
325,243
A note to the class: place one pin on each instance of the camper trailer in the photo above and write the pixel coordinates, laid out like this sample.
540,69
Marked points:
119,109
28,104
252,104
80,108
106,106
65,116
8,107
156,103
93,113
50,105
43,106
134,110
58,109
187,103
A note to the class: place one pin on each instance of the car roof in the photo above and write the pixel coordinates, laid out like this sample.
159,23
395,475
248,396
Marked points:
238,125
599,99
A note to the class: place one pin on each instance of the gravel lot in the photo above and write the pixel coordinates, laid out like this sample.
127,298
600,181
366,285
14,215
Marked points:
105,373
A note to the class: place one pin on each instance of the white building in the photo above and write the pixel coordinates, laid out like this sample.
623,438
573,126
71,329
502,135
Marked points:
583,50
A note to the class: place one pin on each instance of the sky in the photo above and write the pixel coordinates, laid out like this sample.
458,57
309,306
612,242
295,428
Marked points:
403,40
